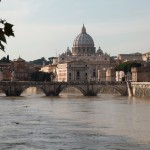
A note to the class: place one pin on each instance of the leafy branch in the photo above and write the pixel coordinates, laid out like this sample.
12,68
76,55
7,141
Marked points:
6,30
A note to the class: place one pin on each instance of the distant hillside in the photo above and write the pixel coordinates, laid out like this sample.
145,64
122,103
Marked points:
41,61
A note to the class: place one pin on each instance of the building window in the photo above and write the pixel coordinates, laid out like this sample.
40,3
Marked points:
86,76
94,74
78,75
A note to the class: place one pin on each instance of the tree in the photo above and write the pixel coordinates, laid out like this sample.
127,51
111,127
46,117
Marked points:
126,66
5,30
42,76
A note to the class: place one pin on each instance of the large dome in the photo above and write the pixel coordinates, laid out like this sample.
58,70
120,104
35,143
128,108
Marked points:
83,43
83,39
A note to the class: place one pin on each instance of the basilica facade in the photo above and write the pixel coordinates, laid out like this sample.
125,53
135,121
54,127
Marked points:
83,62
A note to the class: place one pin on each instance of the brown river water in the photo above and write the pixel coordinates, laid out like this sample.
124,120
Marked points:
74,122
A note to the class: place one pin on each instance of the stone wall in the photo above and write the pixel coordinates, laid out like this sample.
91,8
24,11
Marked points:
141,74
141,89
130,57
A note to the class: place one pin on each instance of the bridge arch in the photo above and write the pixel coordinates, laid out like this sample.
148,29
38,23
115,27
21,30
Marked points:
2,92
24,88
70,86
118,89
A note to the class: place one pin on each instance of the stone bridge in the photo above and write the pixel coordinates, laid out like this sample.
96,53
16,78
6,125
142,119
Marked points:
15,88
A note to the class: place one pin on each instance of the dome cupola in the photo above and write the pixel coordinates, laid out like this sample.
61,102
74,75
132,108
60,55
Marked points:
99,51
68,52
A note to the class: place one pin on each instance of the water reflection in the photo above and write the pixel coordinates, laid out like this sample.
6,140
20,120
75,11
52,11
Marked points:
72,121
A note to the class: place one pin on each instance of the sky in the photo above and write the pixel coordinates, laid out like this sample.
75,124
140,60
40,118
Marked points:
45,28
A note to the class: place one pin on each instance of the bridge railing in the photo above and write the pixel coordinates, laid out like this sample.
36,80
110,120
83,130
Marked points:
2,83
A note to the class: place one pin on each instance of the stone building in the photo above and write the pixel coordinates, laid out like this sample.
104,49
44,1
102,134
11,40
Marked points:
146,56
120,75
73,71
5,69
141,74
130,57
22,69
102,75
49,68
84,59
110,74
52,67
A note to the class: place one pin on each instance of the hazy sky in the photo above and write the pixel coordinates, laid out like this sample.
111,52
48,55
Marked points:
45,28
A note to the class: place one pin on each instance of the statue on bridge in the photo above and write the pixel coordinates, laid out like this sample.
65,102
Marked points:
13,75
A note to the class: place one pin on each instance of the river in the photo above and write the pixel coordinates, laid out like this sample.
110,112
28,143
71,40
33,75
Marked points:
74,122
